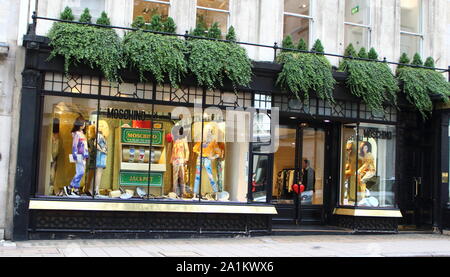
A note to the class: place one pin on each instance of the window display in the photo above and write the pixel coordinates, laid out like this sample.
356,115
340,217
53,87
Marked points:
114,149
368,165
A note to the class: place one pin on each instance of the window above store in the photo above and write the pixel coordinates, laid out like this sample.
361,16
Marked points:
148,8
357,23
298,20
96,7
411,37
211,11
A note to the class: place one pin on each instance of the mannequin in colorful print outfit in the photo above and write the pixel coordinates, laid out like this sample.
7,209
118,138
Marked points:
367,169
80,154
179,158
209,150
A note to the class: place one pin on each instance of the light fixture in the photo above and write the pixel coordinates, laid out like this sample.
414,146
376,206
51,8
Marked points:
293,117
327,121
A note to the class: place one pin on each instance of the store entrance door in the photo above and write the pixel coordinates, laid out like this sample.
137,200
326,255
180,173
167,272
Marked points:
299,174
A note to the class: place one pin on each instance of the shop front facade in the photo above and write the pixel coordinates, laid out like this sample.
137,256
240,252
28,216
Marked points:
142,159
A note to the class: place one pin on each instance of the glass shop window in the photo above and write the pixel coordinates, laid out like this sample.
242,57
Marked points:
298,20
411,36
357,23
65,152
211,11
313,161
368,165
96,7
148,8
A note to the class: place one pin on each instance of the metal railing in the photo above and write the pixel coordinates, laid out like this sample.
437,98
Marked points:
275,47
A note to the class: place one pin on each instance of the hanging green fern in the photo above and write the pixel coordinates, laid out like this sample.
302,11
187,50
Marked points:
212,61
419,84
372,81
303,73
162,56
97,47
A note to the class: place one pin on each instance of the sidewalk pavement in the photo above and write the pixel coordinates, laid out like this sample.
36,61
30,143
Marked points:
399,245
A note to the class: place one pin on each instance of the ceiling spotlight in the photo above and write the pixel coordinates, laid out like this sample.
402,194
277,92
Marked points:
327,121
293,117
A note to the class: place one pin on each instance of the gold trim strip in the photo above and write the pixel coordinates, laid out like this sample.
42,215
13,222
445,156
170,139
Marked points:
148,207
365,212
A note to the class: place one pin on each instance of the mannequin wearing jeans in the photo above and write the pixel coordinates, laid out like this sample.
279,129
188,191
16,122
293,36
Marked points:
80,154
180,156
210,151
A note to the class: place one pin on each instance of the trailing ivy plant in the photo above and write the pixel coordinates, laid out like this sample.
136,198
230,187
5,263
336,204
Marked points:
161,55
371,81
420,83
97,47
212,61
303,73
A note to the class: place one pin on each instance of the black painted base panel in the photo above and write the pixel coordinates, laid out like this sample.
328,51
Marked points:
362,224
48,224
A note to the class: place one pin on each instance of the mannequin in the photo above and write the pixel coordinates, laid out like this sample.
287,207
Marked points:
102,152
55,151
180,156
350,170
367,169
210,151
79,155
219,165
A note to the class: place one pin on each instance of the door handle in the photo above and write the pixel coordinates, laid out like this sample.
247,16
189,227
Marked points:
418,181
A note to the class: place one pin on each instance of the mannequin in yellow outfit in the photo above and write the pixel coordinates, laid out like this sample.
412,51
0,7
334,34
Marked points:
367,169
350,170
180,156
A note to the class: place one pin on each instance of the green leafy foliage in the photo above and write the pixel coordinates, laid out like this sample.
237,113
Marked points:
404,59
372,81
287,43
139,23
214,31
169,26
429,62
103,19
350,51
231,35
97,47
156,24
67,14
417,60
373,55
362,53
157,54
302,45
212,61
303,73
419,84
318,47
85,16
200,27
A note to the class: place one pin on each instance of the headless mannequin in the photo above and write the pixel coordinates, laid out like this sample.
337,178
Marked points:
180,156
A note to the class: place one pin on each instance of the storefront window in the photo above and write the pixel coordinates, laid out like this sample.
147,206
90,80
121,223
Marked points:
148,8
67,127
127,150
298,20
411,37
357,23
211,11
368,165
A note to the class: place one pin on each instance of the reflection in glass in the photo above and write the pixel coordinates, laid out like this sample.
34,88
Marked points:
358,36
147,9
284,171
297,28
210,17
215,4
357,11
410,44
260,177
297,6
313,166
410,17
